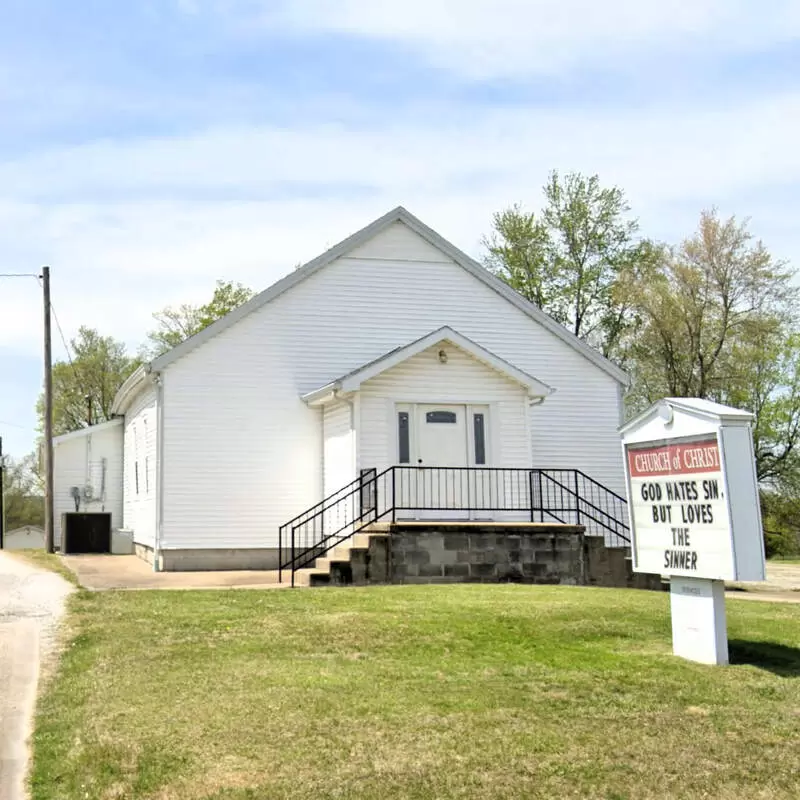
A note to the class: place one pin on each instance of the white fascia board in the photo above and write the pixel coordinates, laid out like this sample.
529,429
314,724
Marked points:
398,214
322,396
352,382
697,407
129,388
707,409
87,431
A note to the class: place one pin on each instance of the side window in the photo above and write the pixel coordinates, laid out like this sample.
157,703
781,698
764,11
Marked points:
403,438
135,440
480,438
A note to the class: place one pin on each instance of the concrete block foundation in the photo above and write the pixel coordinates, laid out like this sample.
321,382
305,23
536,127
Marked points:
449,552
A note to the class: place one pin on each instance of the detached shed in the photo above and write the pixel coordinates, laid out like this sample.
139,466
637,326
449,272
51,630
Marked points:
28,537
87,467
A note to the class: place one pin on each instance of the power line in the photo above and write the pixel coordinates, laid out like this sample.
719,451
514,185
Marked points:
18,275
66,346
14,425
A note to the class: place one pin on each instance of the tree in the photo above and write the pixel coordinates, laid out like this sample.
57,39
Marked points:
766,381
23,499
717,321
568,260
175,325
98,367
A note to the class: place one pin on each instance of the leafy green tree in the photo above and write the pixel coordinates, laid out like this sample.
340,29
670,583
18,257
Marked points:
780,514
717,320
176,324
568,258
23,500
84,388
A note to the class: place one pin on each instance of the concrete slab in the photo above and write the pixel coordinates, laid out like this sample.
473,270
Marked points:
765,597
782,584
104,572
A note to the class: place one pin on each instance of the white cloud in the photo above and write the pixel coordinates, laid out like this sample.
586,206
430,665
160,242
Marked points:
168,231
131,226
669,151
517,38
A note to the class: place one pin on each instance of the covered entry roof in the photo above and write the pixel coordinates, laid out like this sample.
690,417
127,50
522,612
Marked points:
352,381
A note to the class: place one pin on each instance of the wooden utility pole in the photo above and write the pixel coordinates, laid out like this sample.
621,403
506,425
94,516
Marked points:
49,517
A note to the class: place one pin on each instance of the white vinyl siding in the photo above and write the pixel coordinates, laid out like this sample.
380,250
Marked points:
339,447
398,242
243,452
461,381
78,461
140,457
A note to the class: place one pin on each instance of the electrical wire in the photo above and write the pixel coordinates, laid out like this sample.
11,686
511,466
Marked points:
63,340
14,425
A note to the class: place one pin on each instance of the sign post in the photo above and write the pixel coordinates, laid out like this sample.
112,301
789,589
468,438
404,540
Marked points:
695,514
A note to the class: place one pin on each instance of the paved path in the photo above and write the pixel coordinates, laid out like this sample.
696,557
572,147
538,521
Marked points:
781,586
101,572
31,603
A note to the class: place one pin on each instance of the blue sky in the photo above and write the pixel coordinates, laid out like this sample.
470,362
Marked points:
148,148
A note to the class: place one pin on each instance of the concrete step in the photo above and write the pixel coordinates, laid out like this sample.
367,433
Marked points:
311,577
320,573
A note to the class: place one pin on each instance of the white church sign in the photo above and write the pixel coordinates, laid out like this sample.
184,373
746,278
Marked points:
694,512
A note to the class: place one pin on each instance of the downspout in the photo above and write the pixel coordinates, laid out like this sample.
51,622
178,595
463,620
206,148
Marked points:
157,379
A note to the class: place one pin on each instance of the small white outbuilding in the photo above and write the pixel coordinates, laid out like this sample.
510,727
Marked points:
87,467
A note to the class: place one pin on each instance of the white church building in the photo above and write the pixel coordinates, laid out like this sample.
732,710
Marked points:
393,354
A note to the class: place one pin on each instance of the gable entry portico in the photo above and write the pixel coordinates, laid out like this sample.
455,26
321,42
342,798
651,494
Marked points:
436,431
440,401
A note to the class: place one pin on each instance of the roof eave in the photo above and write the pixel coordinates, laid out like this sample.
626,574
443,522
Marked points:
322,396
87,431
398,214
129,388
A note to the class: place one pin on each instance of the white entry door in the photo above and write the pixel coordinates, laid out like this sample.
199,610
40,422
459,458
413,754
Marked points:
441,487
436,444
442,436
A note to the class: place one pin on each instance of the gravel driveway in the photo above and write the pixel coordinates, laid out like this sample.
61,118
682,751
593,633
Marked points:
31,604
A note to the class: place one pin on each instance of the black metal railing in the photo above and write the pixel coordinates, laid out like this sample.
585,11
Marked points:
570,496
566,496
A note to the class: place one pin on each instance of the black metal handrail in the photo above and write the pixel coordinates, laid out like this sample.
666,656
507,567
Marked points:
565,496
585,502
309,513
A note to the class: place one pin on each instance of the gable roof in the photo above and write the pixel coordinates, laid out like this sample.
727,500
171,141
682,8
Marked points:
87,431
398,214
695,406
353,380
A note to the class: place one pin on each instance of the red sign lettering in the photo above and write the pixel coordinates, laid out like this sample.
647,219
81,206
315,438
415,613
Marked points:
674,459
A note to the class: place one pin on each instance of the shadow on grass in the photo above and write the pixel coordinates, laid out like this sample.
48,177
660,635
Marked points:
781,659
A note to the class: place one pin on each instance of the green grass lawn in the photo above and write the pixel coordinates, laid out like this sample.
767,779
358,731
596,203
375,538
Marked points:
415,692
